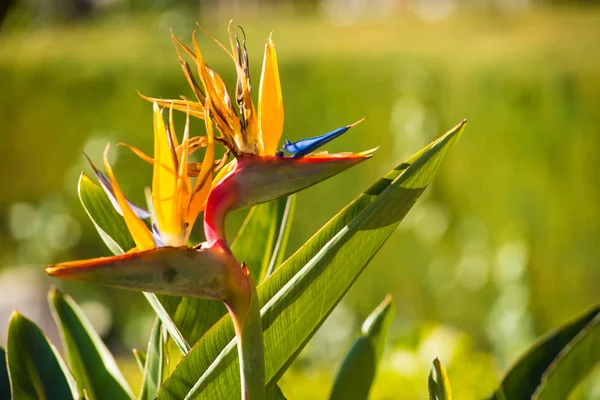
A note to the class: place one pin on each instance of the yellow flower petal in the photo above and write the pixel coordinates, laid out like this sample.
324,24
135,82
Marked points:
140,234
270,102
164,183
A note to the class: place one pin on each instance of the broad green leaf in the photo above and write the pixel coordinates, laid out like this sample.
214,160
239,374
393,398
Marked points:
573,364
263,236
522,380
109,224
357,373
439,384
140,359
36,369
89,359
301,293
115,234
4,380
153,368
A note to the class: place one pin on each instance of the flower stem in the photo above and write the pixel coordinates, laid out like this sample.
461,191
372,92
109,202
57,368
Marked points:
245,313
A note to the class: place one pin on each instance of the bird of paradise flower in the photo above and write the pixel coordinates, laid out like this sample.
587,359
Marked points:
161,261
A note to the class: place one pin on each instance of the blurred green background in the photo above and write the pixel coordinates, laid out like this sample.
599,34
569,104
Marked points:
503,247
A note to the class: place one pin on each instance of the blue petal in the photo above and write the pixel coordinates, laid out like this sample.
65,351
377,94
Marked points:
158,242
108,189
306,146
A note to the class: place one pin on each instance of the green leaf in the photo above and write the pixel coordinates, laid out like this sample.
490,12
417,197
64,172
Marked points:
275,394
522,380
439,384
35,367
90,360
168,322
153,370
573,363
4,379
140,359
263,236
115,234
109,224
192,316
357,373
300,295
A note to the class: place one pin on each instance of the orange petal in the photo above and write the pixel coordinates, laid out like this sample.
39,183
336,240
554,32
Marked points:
204,180
140,234
196,108
183,181
270,102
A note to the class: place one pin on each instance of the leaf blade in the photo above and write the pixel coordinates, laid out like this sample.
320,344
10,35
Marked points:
153,367
522,380
263,236
107,221
90,360
4,378
35,367
392,196
573,363
439,384
358,370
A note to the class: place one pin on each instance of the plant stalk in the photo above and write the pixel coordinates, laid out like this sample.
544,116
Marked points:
245,313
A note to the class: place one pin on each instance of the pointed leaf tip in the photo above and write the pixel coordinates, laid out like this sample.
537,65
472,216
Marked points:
359,369
439,384
35,367
91,362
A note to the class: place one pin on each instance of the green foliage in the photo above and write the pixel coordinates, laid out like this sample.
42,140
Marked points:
107,221
556,362
94,368
140,359
573,364
4,379
36,369
299,296
439,384
263,237
358,371
154,363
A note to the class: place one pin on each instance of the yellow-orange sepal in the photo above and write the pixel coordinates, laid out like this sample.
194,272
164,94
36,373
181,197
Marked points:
270,101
